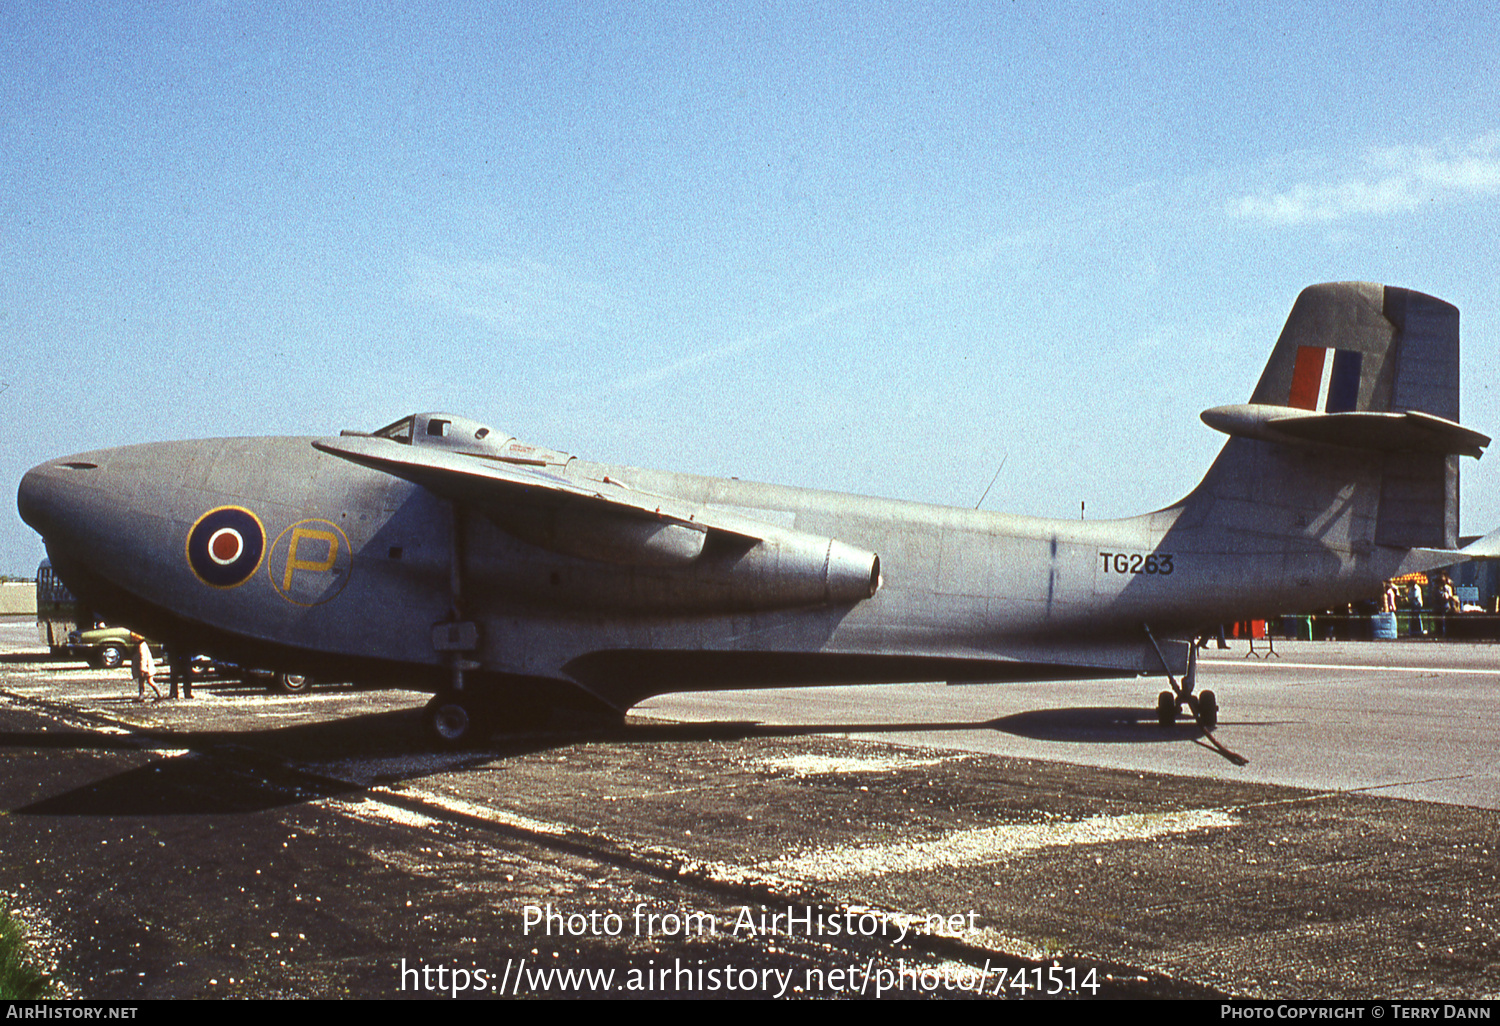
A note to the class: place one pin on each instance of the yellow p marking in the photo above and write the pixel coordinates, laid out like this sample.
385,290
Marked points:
293,564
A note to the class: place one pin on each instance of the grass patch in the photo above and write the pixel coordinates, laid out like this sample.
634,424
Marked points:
19,979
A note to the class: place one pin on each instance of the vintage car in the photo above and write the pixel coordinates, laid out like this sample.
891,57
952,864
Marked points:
106,648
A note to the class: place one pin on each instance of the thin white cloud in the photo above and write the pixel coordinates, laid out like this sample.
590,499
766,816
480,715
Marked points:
1389,180
976,259
520,295
750,342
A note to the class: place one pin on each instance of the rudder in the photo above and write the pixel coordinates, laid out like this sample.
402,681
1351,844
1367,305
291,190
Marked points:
1419,495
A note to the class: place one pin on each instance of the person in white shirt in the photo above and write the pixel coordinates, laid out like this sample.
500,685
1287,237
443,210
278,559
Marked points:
144,668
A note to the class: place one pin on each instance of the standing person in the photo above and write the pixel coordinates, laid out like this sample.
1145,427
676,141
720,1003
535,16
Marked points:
179,671
1447,600
1417,629
1388,603
144,668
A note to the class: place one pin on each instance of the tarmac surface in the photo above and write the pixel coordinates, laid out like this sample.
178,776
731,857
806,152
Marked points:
1408,719
941,842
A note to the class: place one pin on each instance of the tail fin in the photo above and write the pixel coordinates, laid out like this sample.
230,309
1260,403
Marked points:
1392,350
1360,404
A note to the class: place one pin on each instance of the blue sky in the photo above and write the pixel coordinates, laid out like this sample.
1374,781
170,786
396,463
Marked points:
872,247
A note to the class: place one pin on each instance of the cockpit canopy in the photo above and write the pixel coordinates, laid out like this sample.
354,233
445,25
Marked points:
445,431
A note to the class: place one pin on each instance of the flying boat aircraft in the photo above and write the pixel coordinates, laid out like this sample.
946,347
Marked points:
514,580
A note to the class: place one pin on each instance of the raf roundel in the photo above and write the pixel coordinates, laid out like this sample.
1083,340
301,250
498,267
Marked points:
225,546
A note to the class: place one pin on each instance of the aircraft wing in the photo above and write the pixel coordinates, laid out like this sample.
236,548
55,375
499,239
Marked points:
601,519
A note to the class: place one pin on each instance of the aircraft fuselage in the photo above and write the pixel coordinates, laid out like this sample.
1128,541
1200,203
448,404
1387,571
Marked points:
355,564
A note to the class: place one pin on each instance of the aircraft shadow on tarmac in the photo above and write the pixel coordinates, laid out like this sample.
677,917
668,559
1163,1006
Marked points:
213,772
1095,726
228,772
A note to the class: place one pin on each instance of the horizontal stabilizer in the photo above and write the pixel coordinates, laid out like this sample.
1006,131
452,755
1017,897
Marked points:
1419,560
1411,431
1487,546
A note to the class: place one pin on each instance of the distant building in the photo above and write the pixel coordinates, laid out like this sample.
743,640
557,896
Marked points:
18,598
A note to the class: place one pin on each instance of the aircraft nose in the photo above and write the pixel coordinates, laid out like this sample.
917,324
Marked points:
53,495
35,499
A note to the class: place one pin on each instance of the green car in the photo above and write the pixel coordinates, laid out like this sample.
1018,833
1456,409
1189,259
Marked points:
107,648
104,648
